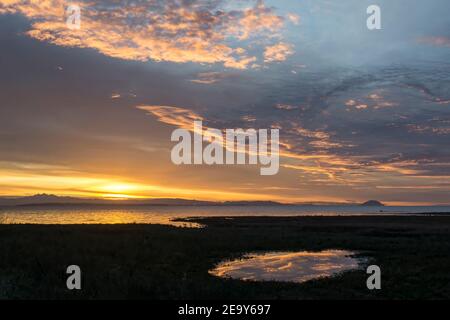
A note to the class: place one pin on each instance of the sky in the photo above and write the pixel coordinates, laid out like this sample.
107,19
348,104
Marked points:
362,114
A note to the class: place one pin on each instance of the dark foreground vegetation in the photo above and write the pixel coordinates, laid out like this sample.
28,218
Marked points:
163,262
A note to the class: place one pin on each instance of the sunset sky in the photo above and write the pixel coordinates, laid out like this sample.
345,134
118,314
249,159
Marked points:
362,114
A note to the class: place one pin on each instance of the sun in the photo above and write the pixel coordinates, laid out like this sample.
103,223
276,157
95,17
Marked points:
119,191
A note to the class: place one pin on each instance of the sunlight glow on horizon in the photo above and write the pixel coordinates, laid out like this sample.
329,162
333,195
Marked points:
14,184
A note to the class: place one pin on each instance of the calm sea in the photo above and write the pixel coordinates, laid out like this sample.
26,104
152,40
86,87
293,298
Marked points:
165,214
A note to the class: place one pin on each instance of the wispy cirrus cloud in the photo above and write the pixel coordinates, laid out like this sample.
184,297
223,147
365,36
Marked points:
205,32
283,106
176,116
327,165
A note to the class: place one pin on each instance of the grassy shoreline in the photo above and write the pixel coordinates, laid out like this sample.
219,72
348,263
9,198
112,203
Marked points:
164,262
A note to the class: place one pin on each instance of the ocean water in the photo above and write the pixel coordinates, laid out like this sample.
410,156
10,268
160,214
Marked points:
166,214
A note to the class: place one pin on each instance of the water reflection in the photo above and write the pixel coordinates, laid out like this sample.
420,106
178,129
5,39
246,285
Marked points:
89,216
82,214
288,266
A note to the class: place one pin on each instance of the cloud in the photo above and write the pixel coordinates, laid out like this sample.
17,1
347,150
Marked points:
248,118
278,52
350,103
435,41
212,77
294,18
322,156
180,117
207,78
255,20
425,129
281,106
374,100
175,31
312,134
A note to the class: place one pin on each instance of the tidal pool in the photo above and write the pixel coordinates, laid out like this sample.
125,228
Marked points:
288,266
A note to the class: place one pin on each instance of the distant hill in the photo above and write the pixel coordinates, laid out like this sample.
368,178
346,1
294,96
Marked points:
39,199
50,199
252,203
372,203
326,203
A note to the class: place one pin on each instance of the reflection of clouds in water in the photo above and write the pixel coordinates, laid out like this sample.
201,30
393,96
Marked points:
288,266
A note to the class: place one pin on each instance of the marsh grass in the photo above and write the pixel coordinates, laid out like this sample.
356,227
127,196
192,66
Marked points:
164,262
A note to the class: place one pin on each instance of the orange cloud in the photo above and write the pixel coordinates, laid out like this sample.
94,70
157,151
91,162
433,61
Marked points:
180,117
161,31
254,20
278,52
